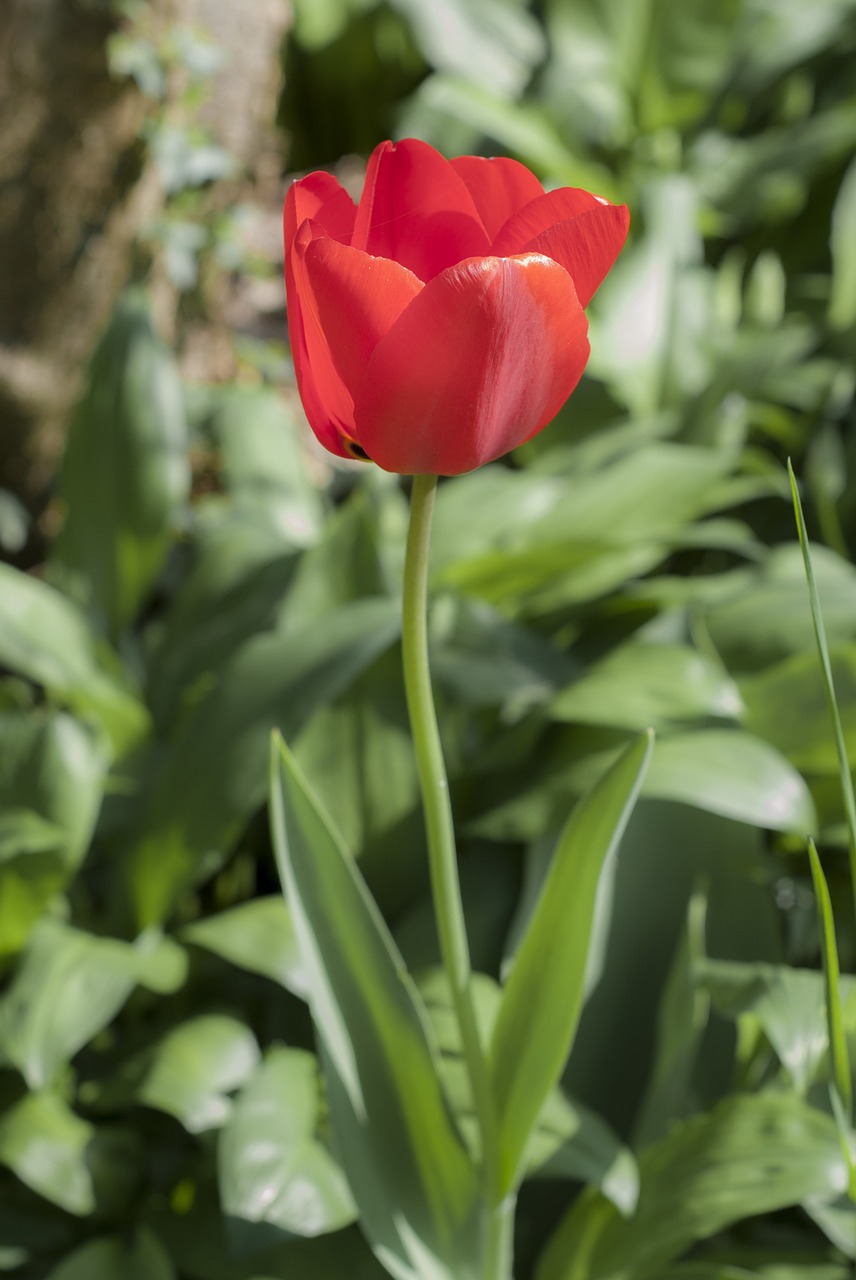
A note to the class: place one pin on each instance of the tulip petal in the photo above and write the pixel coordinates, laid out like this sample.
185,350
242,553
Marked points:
328,408
479,361
326,401
319,197
499,187
416,210
357,299
581,231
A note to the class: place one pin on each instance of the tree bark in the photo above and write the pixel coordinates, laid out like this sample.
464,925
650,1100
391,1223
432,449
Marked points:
74,187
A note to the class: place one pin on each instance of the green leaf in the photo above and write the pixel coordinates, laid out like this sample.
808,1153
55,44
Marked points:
652,347
211,776
847,790
569,1140
45,637
729,772
52,772
413,1181
543,996
258,936
125,474
833,1001
45,1144
197,1235
760,615
786,705
264,463
842,301
639,685
357,750
190,1072
272,1167
70,985
697,1181
111,1258
786,1002
682,1019
493,43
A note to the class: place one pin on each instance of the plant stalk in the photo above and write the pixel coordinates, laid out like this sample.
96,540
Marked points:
443,862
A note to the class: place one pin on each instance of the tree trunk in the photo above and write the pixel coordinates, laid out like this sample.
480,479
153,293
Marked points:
74,186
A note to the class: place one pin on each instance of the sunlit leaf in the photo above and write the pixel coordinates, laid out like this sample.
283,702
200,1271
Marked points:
272,1166
696,1181
256,935
70,984
410,1174
543,996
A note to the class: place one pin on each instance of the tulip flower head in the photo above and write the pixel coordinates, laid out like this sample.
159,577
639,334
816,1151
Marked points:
440,322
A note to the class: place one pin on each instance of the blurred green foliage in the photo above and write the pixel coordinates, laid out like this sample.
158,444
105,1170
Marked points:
634,565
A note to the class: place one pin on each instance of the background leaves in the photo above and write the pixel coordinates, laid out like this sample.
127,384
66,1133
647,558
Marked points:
207,577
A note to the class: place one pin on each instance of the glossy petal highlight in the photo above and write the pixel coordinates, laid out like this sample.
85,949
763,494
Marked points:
479,362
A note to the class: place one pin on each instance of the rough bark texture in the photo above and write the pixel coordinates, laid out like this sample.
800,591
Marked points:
76,187
73,190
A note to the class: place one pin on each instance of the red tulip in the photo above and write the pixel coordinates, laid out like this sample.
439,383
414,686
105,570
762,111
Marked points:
439,323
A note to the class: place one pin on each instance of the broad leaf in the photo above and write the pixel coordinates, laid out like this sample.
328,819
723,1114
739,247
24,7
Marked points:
543,996
258,936
70,984
189,1073
125,472
51,778
729,772
698,1180
211,776
639,685
411,1176
66,1159
272,1167
46,637
45,1143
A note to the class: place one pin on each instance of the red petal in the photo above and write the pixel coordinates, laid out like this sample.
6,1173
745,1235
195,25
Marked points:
416,210
357,299
498,186
480,361
319,197
326,403
582,232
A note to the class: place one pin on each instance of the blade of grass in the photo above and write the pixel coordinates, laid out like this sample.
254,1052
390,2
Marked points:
842,1090
829,949
829,687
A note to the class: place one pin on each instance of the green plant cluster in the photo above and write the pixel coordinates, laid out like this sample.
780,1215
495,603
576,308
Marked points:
162,1111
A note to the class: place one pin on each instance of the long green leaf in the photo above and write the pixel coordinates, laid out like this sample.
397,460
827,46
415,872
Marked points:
414,1184
543,998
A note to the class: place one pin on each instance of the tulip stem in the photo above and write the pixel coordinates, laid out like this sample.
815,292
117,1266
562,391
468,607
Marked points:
443,862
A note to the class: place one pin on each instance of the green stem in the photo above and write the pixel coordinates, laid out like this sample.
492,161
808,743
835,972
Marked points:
442,856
